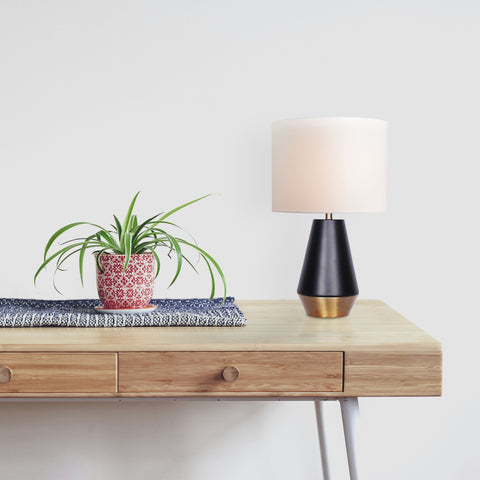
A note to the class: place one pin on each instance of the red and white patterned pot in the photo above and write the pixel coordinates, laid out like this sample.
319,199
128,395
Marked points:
130,289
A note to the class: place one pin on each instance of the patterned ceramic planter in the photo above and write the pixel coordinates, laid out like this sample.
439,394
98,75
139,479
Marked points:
126,290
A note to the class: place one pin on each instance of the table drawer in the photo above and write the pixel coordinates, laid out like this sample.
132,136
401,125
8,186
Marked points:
190,373
58,373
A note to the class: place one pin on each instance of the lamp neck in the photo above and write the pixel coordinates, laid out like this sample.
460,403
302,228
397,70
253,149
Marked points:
329,216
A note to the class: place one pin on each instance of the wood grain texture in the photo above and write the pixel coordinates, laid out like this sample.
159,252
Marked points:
393,374
273,325
385,354
60,373
191,373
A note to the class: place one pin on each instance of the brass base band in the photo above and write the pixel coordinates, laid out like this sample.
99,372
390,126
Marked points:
327,307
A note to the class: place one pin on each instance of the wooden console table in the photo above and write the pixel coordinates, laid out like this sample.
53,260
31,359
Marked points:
280,353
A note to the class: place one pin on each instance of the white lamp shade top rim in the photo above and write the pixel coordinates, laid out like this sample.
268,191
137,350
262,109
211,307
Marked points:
329,120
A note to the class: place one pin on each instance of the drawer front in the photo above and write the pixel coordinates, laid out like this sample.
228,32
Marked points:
190,373
58,373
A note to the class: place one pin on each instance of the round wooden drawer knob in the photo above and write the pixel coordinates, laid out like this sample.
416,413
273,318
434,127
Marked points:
5,374
230,373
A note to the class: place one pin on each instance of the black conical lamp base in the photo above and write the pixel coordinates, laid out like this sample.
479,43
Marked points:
328,286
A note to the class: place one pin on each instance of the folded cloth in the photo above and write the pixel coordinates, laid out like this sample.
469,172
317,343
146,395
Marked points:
191,312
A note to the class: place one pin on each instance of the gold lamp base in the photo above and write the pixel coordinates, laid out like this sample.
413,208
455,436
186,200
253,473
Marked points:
327,307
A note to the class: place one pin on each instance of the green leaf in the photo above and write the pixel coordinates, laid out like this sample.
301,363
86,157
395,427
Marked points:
171,212
63,230
55,255
212,278
178,251
133,224
143,225
86,244
212,261
97,258
126,222
54,283
118,226
105,234
140,248
191,264
163,222
150,234
64,257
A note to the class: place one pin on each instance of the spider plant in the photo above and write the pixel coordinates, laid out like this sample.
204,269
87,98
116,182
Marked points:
128,238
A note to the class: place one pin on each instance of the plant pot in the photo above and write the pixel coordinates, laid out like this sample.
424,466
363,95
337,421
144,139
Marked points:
132,288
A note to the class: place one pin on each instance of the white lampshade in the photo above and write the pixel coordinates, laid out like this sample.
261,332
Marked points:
330,164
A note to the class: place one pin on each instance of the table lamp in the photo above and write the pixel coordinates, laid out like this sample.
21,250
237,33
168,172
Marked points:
328,165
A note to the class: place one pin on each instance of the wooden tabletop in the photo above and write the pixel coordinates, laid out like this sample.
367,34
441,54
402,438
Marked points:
272,325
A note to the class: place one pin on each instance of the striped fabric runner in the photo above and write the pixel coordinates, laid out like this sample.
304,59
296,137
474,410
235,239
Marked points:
192,312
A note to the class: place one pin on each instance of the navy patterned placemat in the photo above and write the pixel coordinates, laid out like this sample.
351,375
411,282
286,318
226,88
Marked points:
191,312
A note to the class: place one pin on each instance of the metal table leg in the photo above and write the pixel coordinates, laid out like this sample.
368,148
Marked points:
322,439
350,414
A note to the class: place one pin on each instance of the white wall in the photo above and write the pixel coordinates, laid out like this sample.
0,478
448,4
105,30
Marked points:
99,99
